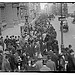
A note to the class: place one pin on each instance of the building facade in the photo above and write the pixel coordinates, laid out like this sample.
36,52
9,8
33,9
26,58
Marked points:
14,13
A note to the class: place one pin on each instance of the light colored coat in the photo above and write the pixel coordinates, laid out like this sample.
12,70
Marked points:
51,65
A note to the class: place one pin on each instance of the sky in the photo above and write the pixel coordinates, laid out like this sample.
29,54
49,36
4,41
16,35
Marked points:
42,5
71,7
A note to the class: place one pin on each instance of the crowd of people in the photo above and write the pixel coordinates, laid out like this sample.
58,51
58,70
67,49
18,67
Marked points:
35,50
15,58
23,55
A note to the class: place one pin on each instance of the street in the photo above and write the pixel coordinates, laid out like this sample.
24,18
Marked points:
69,37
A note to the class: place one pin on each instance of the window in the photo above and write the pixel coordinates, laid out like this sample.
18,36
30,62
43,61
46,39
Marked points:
2,14
17,11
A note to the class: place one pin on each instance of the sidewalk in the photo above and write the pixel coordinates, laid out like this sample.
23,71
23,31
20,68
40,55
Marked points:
11,31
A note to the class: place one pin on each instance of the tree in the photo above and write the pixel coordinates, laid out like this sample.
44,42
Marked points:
65,9
53,7
42,18
58,8
43,25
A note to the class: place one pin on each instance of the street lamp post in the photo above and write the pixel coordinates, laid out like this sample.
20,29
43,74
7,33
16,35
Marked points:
26,19
62,45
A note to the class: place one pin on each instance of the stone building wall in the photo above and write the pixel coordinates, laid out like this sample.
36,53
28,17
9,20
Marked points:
0,14
8,14
11,12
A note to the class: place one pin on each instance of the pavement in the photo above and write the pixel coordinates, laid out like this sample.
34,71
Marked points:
15,30
69,37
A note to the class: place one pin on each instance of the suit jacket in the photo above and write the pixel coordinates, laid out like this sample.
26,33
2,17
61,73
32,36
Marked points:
39,64
51,65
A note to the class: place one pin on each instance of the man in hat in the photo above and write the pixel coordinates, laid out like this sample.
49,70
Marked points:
10,39
70,47
32,49
6,64
71,62
39,64
15,42
51,64
12,61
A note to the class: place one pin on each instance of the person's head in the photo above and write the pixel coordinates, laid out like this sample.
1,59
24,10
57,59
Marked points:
54,51
6,49
70,46
32,62
10,37
55,43
28,56
66,48
24,54
16,53
15,37
48,57
6,57
47,35
7,36
18,36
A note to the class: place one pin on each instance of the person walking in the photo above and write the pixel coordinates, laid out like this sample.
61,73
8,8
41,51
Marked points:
39,63
6,41
44,67
71,62
6,64
51,64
